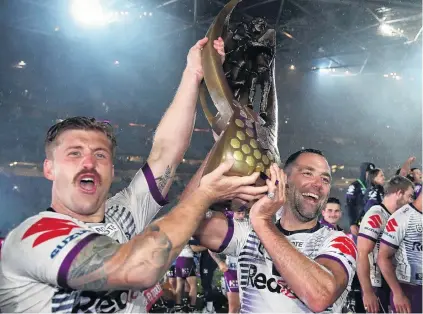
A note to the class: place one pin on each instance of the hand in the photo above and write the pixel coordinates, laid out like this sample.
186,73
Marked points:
411,159
194,64
370,302
220,187
265,208
223,268
401,303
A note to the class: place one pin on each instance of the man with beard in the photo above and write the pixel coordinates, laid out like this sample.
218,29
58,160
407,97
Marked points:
295,265
89,254
375,291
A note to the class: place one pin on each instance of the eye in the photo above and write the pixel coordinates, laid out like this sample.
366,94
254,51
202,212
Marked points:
74,153
101,155
307,174
326,180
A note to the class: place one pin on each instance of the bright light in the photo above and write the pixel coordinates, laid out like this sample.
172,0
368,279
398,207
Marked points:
397,77
90,12
324,71
333,70
116,62
347,72
145,13
151,13
386,30
56,29
292,67
385,75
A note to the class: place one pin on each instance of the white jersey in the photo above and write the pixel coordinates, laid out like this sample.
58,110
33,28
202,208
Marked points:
262,289
371,228
37,255
403,232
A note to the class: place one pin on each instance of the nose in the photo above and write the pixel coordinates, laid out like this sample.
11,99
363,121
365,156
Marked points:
89,162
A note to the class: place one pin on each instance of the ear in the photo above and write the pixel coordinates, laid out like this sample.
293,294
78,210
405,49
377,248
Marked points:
48,169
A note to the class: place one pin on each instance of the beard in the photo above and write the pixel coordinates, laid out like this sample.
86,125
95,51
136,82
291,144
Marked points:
295,199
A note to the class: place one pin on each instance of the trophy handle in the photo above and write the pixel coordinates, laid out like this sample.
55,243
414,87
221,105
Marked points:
214,77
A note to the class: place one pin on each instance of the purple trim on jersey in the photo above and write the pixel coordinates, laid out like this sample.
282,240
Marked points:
228,236
367,237
154,190
335,259
390,244
62,275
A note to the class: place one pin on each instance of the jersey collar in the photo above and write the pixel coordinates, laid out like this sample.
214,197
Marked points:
51,209
414,207
290,232
384,207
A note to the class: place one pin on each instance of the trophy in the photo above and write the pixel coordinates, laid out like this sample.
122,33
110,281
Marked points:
245,133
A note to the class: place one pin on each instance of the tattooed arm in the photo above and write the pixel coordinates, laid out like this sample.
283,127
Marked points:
103,264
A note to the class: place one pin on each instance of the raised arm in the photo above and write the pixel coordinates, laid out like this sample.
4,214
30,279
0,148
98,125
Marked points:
173,134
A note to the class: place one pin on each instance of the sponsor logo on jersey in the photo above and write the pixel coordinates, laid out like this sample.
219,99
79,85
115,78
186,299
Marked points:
49,228
375,221
260,282
107,229
417,246
419,228
351,190
391,225
152,295
66,241
345,245
104,302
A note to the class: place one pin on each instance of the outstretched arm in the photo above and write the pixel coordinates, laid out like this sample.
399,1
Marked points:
173,134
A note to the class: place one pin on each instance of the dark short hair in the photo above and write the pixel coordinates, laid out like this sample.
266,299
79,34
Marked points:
79,123
334,200
412,169
398,183
291,159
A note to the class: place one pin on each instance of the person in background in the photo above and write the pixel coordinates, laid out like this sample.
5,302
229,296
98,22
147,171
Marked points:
332,214
355,196
414,174
374,192
400,257
375,291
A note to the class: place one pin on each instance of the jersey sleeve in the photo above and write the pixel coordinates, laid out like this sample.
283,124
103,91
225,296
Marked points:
371,226
136,206
342,249
236,237
43,248
395,229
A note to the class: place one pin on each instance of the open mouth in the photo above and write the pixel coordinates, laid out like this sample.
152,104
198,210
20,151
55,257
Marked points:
311,197
88,183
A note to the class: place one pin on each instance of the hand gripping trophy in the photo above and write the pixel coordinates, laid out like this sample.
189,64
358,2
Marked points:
247,135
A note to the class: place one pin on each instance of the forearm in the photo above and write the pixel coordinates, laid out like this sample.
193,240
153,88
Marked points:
311,283
174,132
104,264
363,273
388,272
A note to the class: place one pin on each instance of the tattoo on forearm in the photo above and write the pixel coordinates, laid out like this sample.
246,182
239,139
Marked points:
104,264
164,179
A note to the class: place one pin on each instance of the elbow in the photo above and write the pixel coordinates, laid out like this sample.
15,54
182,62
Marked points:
321,299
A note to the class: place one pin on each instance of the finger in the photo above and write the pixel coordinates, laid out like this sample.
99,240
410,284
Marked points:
201,43
253,190
224,167
248,180
248,197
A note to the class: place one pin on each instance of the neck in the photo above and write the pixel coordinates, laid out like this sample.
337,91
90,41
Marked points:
290,222
390,203
98,216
